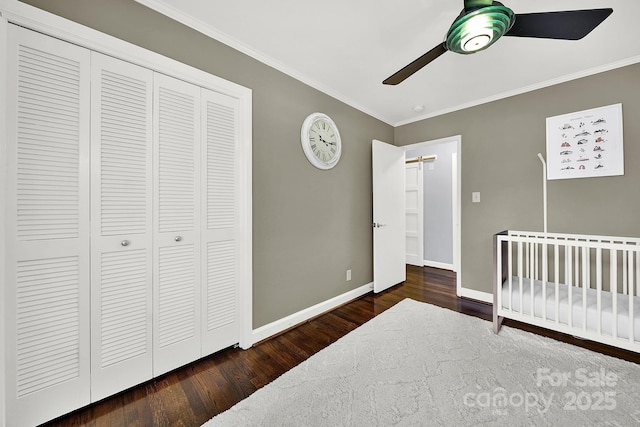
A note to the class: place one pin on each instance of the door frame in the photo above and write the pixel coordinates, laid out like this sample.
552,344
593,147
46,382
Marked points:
456,200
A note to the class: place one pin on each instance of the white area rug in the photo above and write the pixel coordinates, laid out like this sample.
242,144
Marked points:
417,364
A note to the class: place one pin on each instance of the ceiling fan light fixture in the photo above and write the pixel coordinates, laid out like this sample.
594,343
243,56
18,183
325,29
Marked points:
482,22
478,29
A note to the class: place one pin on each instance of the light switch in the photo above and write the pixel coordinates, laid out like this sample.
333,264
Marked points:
475,197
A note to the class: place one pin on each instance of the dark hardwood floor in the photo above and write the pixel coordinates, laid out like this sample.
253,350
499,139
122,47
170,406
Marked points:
191,395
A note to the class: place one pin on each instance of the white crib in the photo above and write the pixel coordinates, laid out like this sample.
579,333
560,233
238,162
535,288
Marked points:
586,286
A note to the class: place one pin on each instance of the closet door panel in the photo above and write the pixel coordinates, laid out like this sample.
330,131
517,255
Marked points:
176,292
47,266
220,216
121,206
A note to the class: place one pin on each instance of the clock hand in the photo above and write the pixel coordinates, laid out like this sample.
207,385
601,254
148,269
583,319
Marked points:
326,142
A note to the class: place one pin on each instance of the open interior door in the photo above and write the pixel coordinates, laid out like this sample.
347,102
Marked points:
389,251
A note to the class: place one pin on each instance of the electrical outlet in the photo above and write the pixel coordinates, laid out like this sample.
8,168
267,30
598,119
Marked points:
475,197
348,275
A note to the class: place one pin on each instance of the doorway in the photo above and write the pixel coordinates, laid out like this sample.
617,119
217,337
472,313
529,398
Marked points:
436,224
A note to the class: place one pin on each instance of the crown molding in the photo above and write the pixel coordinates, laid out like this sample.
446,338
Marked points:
206,29
541,85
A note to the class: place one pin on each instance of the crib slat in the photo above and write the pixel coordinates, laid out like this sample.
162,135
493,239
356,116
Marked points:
544,278
589,276
535,261
568,275
520,274
637,273
532,275
576,265
599,288
556,278
613,266
510,272
497,286
624,273
588,249
585,283
526,259
631,287
525,255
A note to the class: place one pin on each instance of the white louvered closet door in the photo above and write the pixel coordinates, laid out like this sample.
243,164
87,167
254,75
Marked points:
121,237
220,167
176,259
47,266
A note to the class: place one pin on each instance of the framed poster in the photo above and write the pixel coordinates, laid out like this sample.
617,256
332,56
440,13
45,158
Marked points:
585,144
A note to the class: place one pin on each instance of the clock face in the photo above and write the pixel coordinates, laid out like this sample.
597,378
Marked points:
321,141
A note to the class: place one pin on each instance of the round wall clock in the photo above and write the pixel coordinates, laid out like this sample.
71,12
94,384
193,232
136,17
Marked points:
321,141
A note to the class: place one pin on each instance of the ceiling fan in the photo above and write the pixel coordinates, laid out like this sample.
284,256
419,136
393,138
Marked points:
482,22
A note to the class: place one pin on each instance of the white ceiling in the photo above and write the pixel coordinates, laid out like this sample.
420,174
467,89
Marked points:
346,48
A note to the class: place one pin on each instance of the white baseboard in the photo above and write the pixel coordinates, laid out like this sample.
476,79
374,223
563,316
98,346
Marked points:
285,323
436,264
476,295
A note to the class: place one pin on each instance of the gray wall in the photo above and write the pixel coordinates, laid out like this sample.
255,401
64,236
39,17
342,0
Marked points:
309,226
438,196
500,141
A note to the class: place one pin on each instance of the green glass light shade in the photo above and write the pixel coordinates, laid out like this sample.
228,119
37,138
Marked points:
478,29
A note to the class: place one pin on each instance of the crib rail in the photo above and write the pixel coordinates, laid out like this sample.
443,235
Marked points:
583,285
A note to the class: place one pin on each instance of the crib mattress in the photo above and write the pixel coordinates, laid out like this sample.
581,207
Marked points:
606,313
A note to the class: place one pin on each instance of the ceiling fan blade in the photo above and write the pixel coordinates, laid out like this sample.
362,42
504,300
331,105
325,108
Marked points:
566,25
416,65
